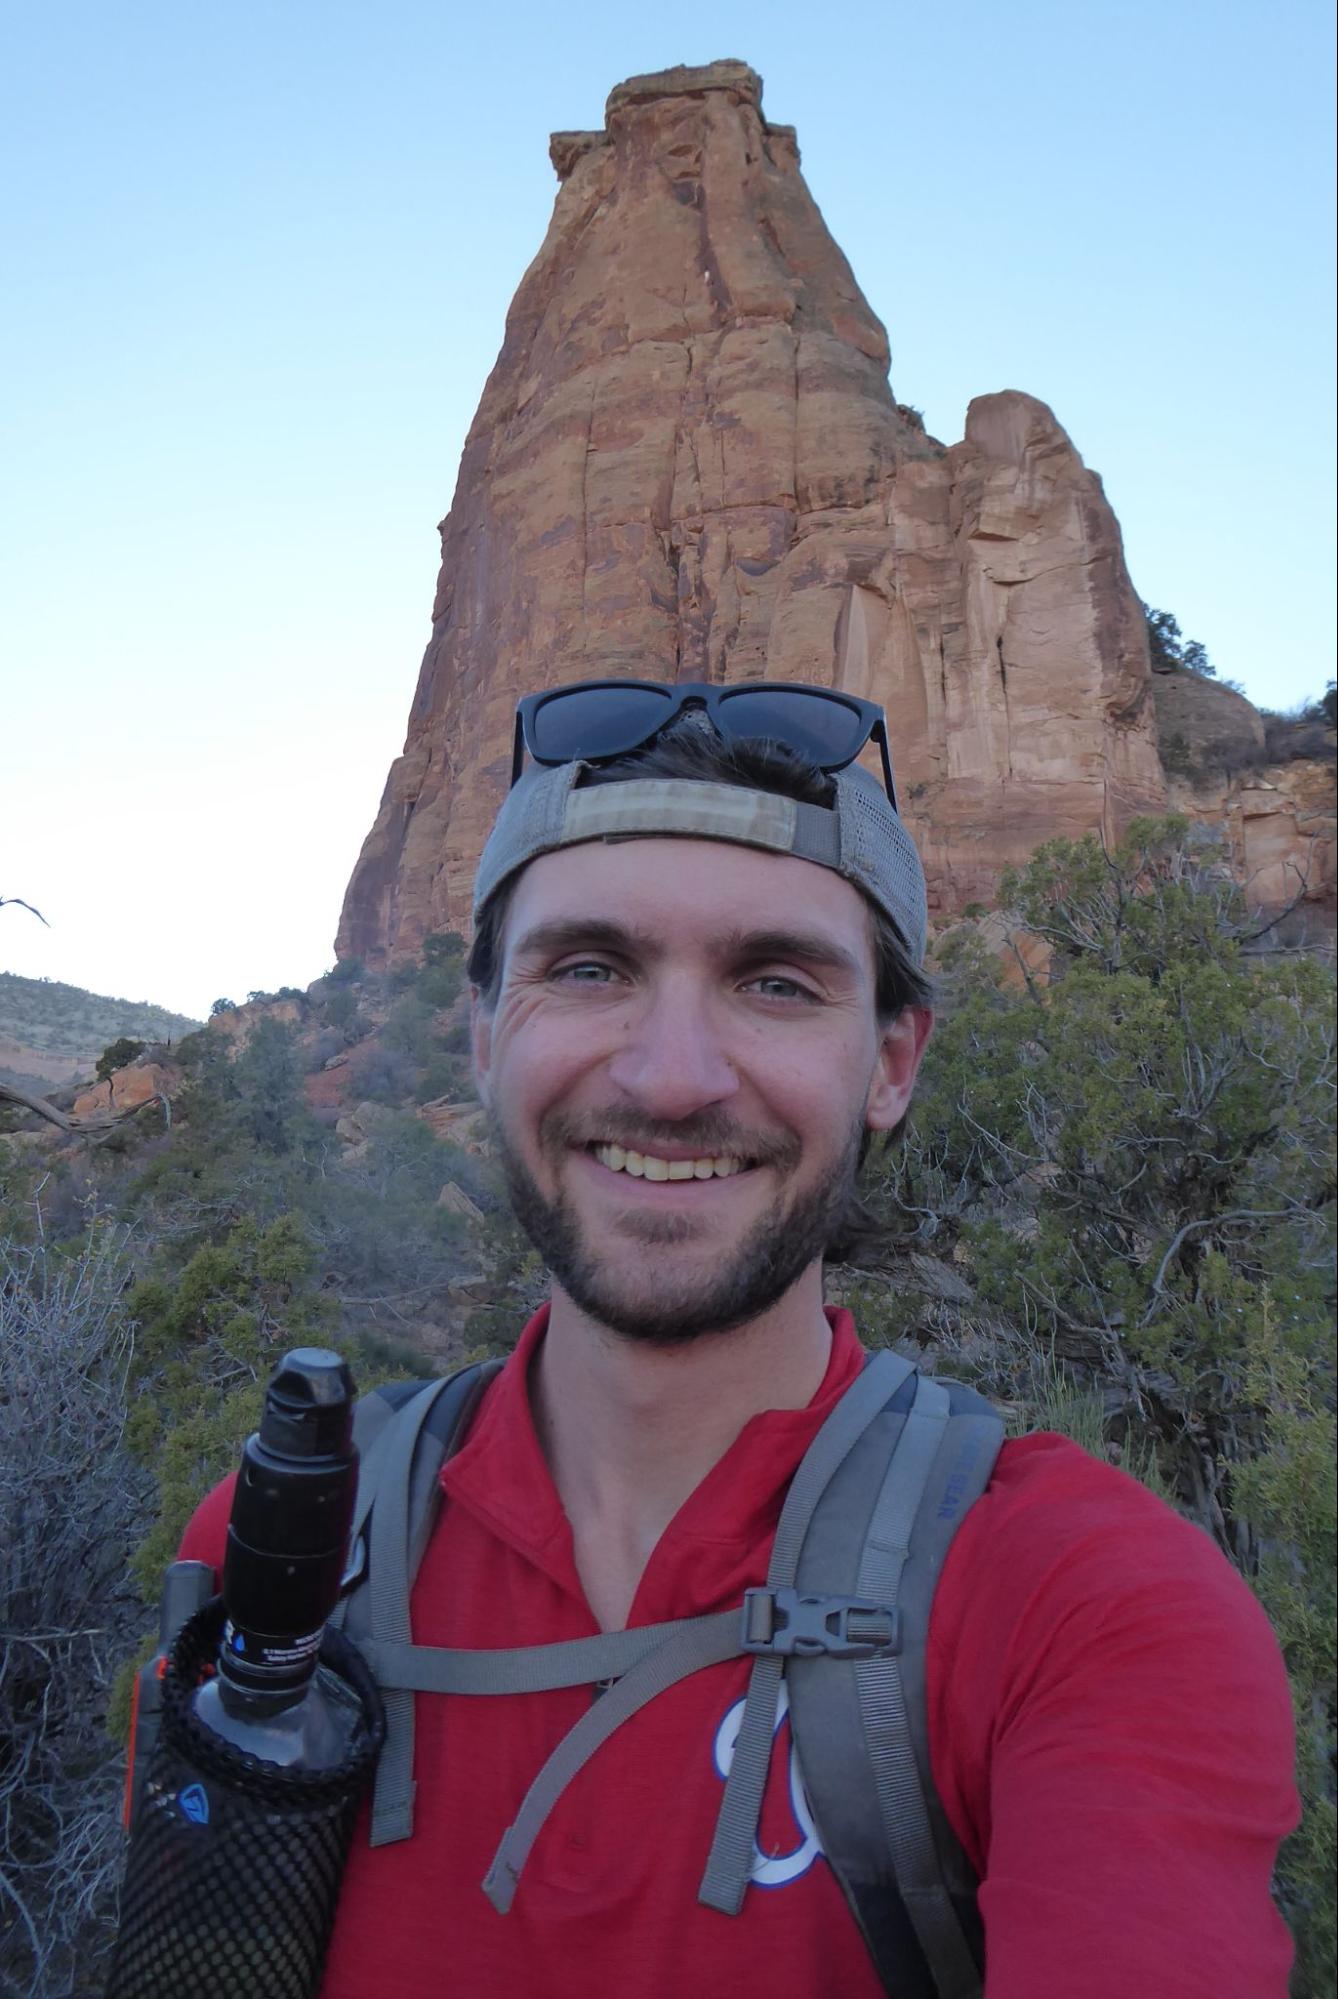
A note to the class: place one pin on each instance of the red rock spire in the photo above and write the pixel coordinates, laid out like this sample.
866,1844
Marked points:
686,454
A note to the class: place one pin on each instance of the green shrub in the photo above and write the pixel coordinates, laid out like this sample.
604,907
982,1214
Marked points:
341,1010
443,947
1131,1160
207,1343
440,985
444,1076
410,1028
347,972
443,975
117,1056
1169,648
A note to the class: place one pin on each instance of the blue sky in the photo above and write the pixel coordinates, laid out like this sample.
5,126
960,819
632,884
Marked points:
258,261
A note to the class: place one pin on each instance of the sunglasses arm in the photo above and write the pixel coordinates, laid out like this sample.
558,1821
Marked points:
879,733
517,751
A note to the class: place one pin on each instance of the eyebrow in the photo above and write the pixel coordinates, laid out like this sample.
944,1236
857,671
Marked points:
810,947
574,933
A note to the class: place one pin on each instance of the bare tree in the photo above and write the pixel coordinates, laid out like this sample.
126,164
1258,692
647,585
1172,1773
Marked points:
71,1506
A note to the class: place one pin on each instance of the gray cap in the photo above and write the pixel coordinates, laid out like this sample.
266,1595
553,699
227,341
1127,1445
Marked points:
860,837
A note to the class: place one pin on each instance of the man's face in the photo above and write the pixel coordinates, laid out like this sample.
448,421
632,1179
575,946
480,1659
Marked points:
680,1066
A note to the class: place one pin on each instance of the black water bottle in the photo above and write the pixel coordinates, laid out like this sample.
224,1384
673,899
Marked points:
287,1545
269,1730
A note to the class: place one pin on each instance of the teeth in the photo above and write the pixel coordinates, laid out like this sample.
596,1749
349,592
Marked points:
645,1166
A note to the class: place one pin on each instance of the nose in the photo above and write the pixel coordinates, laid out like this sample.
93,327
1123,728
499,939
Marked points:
672,1063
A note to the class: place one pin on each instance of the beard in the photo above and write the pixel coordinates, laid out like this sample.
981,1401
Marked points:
749,1278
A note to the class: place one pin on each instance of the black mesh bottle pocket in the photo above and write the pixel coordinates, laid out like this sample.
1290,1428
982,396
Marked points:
234,1866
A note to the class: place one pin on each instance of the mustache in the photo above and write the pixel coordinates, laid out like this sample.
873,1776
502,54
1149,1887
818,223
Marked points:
708,1134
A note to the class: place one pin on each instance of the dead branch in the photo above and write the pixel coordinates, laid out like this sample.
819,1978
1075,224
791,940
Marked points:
11,1093
16,901
76,1126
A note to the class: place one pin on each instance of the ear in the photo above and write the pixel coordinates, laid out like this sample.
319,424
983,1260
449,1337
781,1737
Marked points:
480,1041
900,1053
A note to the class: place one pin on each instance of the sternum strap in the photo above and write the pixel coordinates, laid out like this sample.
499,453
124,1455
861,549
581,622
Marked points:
534,1669
697,1642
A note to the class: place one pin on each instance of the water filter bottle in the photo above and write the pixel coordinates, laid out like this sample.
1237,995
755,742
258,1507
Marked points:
269,1730
287,1545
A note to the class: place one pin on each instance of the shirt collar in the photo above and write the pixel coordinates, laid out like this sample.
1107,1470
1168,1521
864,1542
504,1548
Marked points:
501,1476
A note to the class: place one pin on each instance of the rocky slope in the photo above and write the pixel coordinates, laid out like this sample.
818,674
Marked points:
687,455
52,1034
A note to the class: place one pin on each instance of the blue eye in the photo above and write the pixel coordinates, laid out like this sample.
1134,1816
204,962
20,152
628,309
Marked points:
773,986
586,973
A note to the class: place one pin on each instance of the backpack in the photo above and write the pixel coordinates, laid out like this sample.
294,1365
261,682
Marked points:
843,1616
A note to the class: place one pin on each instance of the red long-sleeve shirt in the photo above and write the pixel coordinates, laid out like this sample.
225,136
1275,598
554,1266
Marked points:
1109,1721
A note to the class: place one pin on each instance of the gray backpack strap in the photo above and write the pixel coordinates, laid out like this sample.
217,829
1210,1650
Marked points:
641,1663
844,1615
530,1669
772,1623
695,1642
961,1472
883,1528
398,1500
375,1434
730,1861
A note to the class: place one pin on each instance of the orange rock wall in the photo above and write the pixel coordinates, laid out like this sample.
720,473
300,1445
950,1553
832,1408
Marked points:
1279,823
686,455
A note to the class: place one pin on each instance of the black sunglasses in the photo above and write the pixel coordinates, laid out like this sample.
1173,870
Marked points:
593,721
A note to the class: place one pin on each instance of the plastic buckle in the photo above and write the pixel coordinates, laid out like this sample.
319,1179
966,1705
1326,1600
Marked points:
810,1627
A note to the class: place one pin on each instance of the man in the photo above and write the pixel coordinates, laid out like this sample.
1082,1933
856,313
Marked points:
697,996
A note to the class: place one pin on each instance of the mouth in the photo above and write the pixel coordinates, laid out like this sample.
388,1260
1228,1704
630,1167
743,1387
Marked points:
651,1166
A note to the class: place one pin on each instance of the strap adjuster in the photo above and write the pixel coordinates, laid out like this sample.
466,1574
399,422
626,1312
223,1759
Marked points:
355,1568
838,1627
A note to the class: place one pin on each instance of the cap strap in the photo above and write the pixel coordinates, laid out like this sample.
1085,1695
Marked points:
643,806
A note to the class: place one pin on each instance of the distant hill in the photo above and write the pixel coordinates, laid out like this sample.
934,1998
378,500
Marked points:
52,1034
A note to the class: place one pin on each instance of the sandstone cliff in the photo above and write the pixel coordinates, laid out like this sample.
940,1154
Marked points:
686,455
1272,798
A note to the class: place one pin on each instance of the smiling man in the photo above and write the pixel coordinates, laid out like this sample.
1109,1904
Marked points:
682,1050
699,927
694,1069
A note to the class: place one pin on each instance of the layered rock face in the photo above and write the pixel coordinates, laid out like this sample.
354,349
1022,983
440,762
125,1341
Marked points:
1280,824
1275,807
686,457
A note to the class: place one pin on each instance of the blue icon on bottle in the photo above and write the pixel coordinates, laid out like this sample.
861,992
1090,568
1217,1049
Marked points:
194,1803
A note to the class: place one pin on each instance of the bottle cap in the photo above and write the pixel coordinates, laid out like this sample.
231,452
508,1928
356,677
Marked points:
308,1409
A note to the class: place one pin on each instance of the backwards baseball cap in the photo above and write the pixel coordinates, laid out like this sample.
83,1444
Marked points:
569,731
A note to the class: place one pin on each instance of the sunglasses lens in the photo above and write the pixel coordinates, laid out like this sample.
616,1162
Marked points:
826,732
596,721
